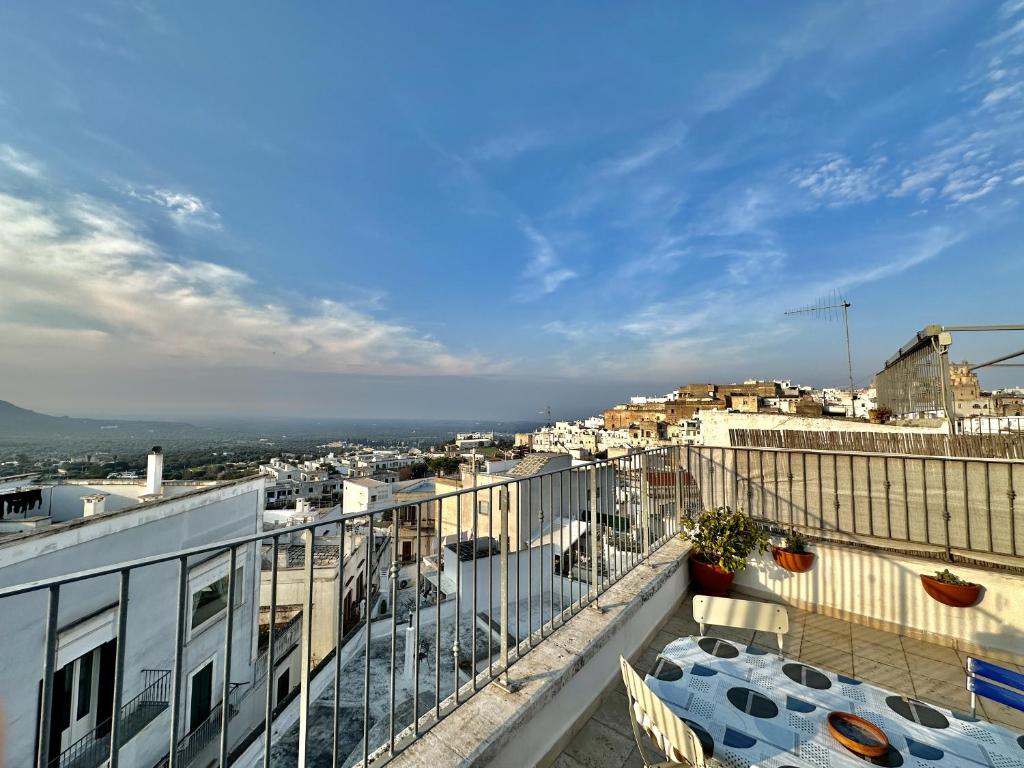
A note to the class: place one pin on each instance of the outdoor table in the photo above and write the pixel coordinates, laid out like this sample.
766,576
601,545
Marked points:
752,708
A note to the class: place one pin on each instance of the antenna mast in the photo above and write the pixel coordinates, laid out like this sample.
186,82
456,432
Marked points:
828,309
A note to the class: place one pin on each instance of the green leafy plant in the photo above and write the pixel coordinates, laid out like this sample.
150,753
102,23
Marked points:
946,576
725,538
795,542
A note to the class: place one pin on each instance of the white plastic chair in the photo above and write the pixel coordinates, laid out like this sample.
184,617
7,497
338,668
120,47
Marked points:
745,614
649,715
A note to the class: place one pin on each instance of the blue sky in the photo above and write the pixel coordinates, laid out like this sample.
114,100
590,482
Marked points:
476,209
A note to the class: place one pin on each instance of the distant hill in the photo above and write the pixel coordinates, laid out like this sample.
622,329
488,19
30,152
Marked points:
22,423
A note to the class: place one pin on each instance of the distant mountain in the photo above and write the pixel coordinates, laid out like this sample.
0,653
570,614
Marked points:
22,423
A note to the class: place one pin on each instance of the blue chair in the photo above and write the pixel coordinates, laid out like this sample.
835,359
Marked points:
982,677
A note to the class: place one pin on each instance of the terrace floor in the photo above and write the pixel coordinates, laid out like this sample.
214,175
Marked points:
927,671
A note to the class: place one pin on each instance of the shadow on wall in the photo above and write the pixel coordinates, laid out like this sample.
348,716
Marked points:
886,589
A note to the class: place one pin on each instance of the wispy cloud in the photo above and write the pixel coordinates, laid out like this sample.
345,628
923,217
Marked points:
184,209
835,181
135,305
20,162
511,146
646,153
1011,7
544,271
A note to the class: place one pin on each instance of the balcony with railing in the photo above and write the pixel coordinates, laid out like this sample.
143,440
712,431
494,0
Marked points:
503,647
93,749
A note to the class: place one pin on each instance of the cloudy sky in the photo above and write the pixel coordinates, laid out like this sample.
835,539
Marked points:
476,209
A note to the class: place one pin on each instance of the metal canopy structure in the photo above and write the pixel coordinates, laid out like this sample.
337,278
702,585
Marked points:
915,380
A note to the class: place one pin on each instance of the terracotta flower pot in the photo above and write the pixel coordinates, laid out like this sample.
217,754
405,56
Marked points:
794,562
954,595
710,579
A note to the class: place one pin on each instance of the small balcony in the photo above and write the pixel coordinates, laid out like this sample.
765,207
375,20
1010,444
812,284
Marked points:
93,749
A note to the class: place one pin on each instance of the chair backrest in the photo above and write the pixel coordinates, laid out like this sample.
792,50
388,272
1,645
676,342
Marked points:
649,714
747,614
1010,691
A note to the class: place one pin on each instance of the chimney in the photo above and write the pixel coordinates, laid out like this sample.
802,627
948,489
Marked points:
93,505
155,472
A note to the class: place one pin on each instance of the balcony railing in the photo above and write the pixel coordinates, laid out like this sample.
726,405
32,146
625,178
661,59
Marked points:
961,507
93,749
509,581
200,737
514,560
284,642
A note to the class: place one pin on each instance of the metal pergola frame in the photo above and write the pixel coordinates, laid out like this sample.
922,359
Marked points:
920,369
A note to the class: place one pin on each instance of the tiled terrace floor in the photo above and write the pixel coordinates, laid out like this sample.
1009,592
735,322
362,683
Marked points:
930,672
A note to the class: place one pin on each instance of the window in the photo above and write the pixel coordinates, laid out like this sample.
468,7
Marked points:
209,601
85,686
201,696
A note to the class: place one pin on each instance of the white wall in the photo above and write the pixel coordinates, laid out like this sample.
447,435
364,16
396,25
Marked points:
220,513
550,726
868,586
64,501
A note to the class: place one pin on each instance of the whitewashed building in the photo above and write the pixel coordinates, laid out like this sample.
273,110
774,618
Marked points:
117,523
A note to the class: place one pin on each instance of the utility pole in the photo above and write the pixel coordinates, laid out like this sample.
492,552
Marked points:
828,309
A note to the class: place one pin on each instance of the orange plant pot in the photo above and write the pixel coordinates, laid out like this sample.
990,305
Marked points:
953,595
794,562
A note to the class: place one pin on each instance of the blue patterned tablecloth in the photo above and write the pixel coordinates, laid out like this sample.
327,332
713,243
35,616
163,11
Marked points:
755,709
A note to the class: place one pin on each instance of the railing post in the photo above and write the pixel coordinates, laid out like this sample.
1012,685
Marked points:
268,722
645,505
503,591
595,543
306,659
225,707
122,634
677,476
49,669
179,645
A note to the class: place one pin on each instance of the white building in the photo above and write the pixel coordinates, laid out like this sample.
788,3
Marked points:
115,523
467,440
364,494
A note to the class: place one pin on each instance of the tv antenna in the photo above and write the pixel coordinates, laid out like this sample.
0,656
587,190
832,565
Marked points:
547,412
828,309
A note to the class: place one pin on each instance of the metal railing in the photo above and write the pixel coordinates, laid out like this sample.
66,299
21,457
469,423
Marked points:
965,506
93,748
203,734
518,557
283,643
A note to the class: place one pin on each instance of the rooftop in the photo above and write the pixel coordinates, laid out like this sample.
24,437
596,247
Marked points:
481,547
532,464
366,482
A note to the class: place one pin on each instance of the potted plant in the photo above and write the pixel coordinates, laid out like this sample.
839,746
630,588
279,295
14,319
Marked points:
793,554
950,589
722,541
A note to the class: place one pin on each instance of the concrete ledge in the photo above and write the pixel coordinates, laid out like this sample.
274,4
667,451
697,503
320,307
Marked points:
561,679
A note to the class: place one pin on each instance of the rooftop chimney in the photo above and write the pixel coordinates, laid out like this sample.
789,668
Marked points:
93,505
155,472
